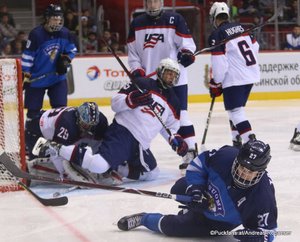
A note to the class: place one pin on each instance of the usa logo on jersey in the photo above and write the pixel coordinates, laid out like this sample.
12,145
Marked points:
152,39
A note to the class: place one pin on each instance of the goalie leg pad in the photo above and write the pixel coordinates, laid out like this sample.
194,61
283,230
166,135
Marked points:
32,131
76,173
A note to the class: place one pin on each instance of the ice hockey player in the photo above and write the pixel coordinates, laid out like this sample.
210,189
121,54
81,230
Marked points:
68,125
229,187
235,68
295,141
125,146
156,35
49,50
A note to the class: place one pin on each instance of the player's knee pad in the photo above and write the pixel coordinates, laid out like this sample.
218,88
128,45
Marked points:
94,162
237,115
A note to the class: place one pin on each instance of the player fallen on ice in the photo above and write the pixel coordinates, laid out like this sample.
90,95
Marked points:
156,35
67,125
229,187
126,144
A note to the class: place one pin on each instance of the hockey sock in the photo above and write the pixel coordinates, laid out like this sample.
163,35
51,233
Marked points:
152,221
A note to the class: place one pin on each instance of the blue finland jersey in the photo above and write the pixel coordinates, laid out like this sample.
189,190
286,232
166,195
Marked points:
254,207
42,51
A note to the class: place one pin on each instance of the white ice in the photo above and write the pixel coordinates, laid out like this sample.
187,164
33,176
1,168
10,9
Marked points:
91,215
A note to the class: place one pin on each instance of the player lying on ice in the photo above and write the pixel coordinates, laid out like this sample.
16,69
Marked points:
229,187
125,145
66,125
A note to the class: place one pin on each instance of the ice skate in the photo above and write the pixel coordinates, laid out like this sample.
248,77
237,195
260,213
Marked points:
131,221
295,141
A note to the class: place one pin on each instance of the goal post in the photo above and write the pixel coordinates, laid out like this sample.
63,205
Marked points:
12,139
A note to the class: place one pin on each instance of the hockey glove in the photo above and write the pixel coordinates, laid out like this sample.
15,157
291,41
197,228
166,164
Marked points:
137,98
199,198
179,145
138,73
62,64
215,89
26,79
185,57
250,235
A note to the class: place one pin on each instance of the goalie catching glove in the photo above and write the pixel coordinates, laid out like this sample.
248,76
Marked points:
46,148
62,64
178,144
137,98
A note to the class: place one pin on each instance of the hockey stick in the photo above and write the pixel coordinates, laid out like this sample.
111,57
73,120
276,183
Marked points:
255,27
65,191
45,201
207,123
39,77
60,201
137,87
16,171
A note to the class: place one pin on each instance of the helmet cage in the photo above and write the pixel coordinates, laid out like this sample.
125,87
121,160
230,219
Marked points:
171,65
154,12
88,116
54,18
254,156
240,174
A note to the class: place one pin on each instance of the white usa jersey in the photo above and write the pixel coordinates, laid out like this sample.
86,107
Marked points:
141,121
236,62
151,40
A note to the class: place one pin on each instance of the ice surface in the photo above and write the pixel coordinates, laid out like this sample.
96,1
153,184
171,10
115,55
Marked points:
91,215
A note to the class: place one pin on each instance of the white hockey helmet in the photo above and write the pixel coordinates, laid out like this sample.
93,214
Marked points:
216,9
168,65
154,12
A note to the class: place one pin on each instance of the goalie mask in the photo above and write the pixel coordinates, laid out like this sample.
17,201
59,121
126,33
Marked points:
88,116
168,73
216,9
251,163
54,19
154,7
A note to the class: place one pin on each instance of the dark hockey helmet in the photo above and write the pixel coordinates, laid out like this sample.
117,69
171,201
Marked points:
154,12
251,163
88,116
54,18
170,65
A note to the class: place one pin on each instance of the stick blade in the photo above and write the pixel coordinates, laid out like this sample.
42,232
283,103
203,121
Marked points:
59,201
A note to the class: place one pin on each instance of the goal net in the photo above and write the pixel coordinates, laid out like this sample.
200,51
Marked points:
11,120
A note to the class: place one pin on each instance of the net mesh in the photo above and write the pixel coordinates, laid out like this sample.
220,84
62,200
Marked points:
11,119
